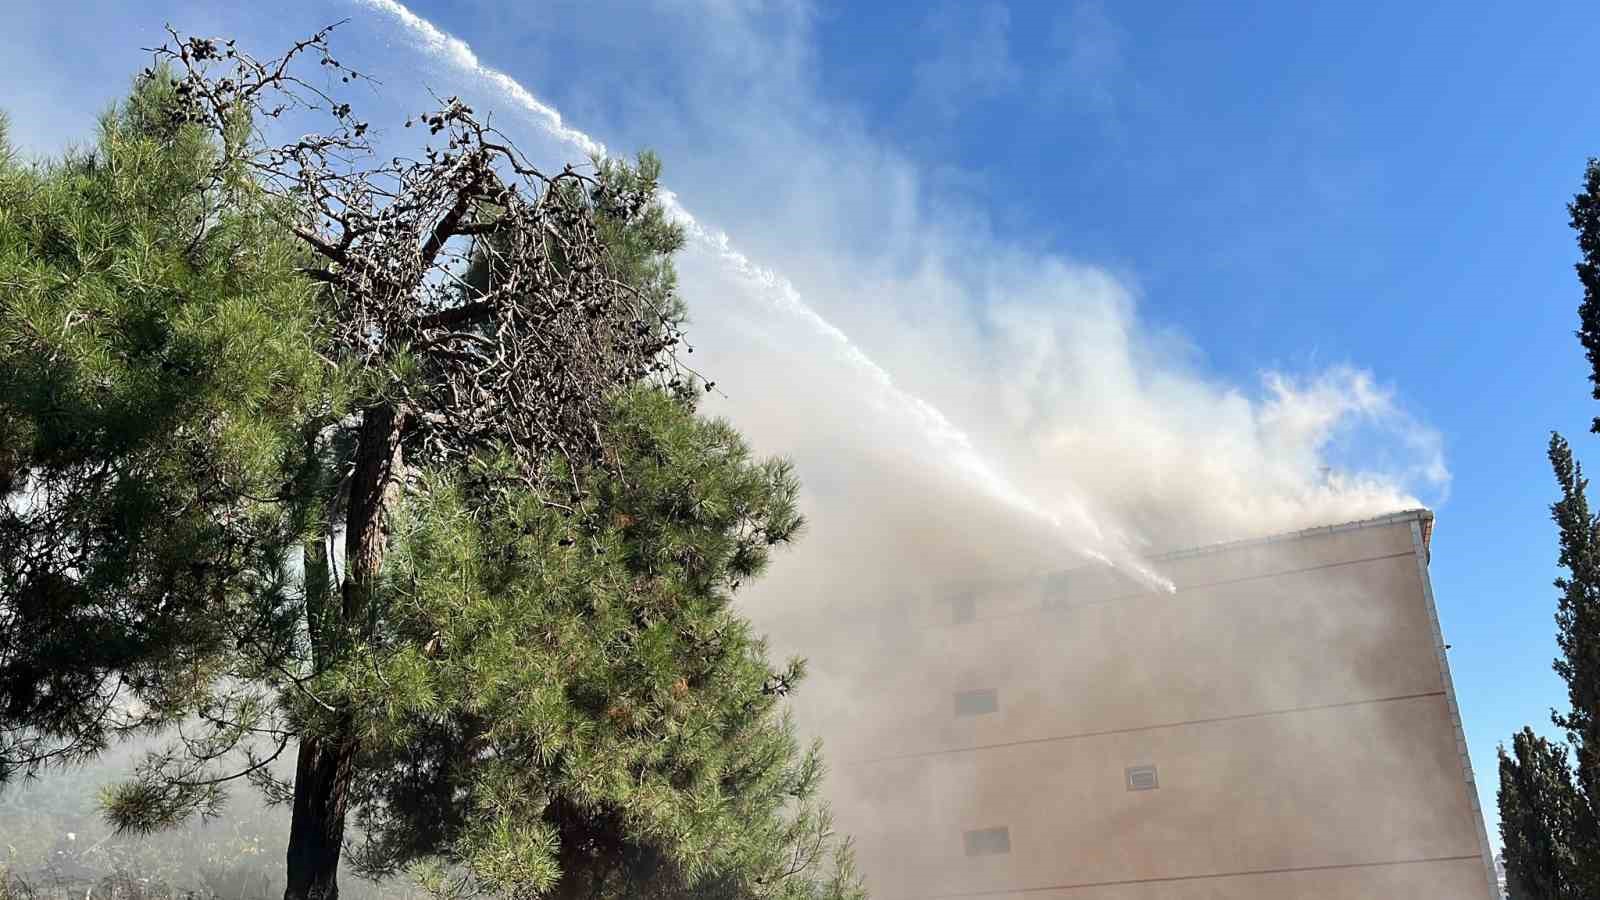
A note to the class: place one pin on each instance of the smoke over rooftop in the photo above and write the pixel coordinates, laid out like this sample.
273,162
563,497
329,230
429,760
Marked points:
1110,422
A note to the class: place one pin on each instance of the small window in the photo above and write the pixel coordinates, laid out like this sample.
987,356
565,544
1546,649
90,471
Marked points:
1057,591
1142,778
988,841
964,609
977,703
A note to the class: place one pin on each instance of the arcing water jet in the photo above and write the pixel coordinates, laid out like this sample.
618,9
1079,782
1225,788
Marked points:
954,445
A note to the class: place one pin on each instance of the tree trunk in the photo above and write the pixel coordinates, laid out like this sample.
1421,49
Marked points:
316,832
326,762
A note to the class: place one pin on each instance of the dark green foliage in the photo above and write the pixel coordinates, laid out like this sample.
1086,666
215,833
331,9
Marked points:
156,369
638,235
1548,811
1585,220
568,692
1542,820
1578,607
524,674
1548,822
1578,614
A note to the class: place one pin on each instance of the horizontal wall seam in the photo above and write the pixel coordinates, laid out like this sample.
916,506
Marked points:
1140,728
1134,595
1085,885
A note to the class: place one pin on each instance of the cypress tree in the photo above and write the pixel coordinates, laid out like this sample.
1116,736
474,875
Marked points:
1541,815
1551,830
1584,213
1578,616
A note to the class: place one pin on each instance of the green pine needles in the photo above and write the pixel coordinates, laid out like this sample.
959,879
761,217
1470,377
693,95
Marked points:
570,692
157,367
466,555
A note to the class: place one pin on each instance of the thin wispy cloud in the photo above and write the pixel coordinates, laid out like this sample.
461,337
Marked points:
968,59
1088,63
1045,360
1113,423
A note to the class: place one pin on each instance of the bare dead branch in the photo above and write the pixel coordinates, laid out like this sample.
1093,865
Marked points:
494,275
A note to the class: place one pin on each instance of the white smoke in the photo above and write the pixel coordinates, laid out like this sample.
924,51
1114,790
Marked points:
952,446
1072,411
1030,404
1053,408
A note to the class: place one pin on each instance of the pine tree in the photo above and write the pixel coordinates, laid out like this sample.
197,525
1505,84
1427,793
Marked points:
155,374
572,694
1541,814
472,557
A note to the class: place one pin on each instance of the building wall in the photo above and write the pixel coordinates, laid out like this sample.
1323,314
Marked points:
1290,696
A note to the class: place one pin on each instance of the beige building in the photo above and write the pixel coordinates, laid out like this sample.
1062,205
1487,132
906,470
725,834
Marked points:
1281,726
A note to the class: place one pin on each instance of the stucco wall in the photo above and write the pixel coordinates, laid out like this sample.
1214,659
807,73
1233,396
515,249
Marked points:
1289,696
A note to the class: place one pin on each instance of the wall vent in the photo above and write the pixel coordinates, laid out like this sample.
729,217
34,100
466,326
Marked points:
988,841
1142,778
1059,591
977,703
964,609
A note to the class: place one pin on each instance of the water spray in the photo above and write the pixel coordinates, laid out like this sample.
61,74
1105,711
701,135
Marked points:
954,444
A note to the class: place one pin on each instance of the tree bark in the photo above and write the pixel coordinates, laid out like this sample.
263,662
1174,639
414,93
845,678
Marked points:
316,831
327,762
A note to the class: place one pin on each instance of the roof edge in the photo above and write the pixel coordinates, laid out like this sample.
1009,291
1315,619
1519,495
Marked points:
1420,515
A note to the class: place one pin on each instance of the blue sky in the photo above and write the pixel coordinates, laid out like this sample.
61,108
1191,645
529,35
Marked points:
1379,183
1365,199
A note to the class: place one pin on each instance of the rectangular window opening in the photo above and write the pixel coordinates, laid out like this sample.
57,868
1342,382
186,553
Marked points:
1057,592
977,703
988,841
964,609
1142,778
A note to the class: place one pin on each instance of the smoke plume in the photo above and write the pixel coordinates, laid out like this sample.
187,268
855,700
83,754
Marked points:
933,366
963,406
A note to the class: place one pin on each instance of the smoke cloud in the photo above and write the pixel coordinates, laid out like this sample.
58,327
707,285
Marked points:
895,347
963,407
